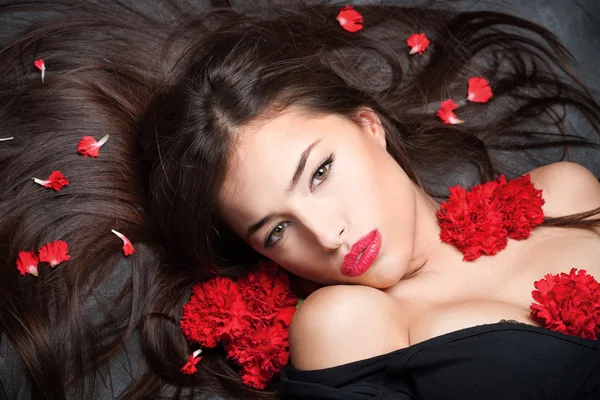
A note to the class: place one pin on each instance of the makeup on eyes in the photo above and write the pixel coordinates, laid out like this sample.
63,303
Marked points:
328,162
258,225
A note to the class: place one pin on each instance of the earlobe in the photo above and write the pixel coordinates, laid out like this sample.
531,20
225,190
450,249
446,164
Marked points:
372,125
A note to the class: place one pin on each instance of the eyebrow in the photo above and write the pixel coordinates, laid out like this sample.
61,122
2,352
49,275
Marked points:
252,229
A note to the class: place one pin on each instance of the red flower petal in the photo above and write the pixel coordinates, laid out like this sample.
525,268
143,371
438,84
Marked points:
480,221
55,181
39,64
479,90
89,147
568,303
190,366
268,295
472,222
418,42
521,207
127,246
446,112
27,262
262,353
54,253
215,312
350,19
249,318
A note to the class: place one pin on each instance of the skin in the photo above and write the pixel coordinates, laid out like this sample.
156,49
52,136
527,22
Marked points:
418,287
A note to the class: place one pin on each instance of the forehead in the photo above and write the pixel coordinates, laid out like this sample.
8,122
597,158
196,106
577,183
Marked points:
264,158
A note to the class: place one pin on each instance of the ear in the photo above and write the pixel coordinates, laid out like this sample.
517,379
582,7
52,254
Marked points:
371,125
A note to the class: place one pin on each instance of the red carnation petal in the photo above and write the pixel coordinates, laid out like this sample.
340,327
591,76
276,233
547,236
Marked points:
54,253
480,221
262,352
521,205
472,222
350,19
479,90
267,293
39,64
215,312
446,112
89,147
248,317
568,303
127,246
418,42
55,181
190,366
27,263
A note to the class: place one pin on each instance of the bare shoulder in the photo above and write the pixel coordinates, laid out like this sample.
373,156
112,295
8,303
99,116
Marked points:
340,324
568,188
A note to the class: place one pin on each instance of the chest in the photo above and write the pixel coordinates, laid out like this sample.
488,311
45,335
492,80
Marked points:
495,288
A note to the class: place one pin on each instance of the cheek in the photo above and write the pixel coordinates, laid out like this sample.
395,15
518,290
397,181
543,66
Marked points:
307,265
307,262
387,190
396,205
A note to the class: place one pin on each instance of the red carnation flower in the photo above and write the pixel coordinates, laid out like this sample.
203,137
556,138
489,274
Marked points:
479,90
127,246
350,19
39,64
55,181
248,317
480,221
27,263
190,366
568,303
267,294
214,312
472,222
521,207
262,353
418,42
89,147
54,253
446,112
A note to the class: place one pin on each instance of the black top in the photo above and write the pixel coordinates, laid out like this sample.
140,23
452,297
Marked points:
495,361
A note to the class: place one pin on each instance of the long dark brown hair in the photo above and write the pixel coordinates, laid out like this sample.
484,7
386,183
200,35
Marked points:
172,84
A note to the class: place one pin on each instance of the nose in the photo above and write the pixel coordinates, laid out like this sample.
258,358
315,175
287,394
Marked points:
326,228
329,238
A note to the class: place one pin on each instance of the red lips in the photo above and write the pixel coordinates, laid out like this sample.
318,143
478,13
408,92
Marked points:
369,245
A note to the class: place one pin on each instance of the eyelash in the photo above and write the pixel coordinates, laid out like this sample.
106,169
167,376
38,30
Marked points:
328,162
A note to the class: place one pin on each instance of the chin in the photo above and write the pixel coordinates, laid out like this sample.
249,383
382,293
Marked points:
383,282
384,275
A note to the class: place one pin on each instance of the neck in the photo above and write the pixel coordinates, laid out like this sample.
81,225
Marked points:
430,253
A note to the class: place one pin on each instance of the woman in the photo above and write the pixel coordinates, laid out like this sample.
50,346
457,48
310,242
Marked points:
240,137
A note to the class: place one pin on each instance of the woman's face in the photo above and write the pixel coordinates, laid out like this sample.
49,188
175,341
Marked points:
346,186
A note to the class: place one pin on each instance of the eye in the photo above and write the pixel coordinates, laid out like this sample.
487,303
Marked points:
275,235
320,175
322,172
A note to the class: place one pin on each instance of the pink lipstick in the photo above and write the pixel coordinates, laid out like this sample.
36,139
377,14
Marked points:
362,254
